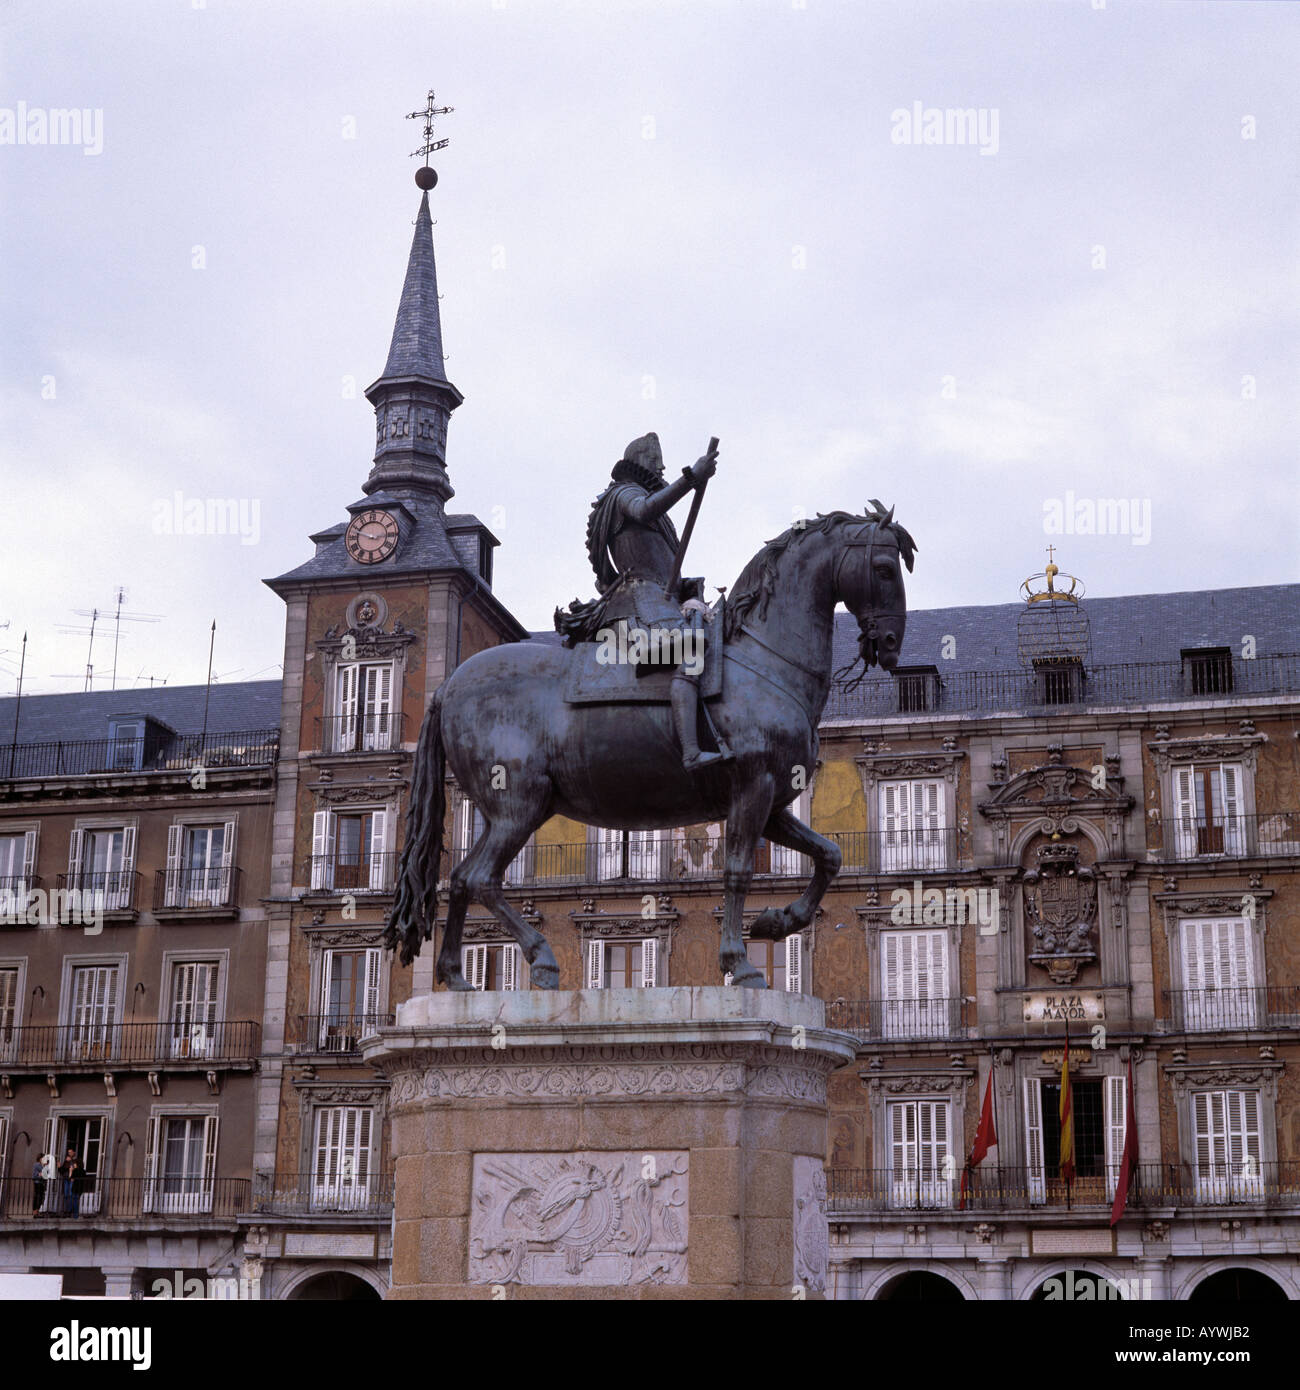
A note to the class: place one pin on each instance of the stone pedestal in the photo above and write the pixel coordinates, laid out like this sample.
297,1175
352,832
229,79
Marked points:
657,1143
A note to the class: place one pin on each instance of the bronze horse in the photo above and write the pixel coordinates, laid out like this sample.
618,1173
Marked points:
522,755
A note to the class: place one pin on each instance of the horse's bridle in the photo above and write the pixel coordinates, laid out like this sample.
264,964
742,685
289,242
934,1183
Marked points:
865,539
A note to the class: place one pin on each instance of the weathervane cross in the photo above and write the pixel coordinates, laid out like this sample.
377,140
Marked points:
427,115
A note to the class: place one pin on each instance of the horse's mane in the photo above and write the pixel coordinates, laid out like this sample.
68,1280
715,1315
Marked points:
754,588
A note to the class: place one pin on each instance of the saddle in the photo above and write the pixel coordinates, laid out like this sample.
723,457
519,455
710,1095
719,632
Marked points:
594,682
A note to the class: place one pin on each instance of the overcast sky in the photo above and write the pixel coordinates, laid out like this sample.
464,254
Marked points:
694,218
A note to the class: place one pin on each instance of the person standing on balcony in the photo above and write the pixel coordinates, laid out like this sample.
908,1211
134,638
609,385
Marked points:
42,1172
72,1173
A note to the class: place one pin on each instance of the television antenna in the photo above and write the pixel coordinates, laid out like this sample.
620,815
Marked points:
119,617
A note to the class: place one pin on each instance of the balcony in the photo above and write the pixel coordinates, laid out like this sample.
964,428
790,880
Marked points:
127,1199
1232,1009
94,893
306,1194
141,1046
1273,834
120,756
674,856
195,892
336,1035
864,1190
352,873
14,889
1020,691
901,1019
367,733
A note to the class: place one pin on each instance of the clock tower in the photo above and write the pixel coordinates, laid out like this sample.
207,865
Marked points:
397,594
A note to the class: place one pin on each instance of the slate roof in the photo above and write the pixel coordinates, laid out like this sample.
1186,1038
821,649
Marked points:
1128,628
424,545
234,707
1134,628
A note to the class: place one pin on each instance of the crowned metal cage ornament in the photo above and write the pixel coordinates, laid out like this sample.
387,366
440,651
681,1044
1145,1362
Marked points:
1053,628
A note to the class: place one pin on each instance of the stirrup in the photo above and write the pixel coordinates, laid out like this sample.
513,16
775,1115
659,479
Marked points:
692,762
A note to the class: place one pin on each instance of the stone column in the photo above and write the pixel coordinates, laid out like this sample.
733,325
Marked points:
994,1280
657,1143
119,1281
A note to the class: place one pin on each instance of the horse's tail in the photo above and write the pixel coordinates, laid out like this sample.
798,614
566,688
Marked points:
415,904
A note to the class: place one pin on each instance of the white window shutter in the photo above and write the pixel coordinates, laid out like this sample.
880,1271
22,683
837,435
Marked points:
172,883
649,962
210,1124
374,959
128,849
326,981
510,961
475,965
1243,1143
345,722
4,1144
1034,1169
227,862
29,860
1210,1120
378,707
1185,813
893,826
378,850
794,963
74,858
1234,826
1113,1097
150,1162
595,965
322,849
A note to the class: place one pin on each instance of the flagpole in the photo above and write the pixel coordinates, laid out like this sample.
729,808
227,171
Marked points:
1065,1083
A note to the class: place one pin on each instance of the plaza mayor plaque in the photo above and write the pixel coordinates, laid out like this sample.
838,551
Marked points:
1065,1006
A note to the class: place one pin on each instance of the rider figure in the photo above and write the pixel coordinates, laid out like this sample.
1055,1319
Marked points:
633,548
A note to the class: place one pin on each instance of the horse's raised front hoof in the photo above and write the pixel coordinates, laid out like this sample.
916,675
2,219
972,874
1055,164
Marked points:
773,924
545,976
454,978
749,978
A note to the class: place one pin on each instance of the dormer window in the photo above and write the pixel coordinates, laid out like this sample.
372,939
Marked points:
1059,682
126,744
918,689
1207,670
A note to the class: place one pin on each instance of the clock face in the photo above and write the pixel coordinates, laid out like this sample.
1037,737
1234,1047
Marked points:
371,536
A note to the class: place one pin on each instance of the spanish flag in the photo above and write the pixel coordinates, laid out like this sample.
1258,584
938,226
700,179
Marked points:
1066,1163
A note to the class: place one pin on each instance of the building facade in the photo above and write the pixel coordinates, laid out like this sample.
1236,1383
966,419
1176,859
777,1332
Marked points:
1053,818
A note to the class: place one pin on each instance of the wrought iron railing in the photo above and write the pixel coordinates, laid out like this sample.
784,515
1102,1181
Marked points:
910,1019
359,733
153,753
104,890
352,873
988,1187
1130,683
184,1040
1231,1009
700,853
184,890
325,1194
337,1033
180,1196
15,910
1218,836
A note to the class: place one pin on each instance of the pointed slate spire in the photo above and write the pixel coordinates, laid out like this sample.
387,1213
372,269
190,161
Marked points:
416,348
413,399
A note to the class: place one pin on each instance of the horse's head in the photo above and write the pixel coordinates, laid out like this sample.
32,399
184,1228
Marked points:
869,583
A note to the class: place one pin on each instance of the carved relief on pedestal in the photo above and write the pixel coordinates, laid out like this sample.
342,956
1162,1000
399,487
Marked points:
811,1232
579,1219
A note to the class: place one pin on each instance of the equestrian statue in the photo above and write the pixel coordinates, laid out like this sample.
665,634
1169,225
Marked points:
657,712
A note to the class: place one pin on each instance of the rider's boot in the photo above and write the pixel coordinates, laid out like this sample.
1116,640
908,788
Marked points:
686,700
